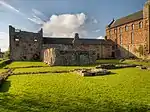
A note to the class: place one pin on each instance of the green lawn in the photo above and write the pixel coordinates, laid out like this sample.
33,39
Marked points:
25,64
125,90
110,61
2,70
48,69
137,62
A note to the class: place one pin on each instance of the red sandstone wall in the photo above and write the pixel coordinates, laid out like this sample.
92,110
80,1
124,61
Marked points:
128,49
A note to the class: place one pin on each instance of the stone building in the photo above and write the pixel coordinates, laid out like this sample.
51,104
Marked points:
32,46
54,56
25,45
131,34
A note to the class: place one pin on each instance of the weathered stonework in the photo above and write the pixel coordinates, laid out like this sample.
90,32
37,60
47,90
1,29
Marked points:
131,33
64,51
25,45
55,56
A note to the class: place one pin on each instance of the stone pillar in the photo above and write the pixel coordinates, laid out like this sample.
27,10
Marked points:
146,24
41,44
11,39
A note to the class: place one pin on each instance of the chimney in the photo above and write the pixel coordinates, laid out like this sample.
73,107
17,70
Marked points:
76,40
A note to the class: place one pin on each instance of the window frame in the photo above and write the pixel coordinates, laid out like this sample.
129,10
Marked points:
132,38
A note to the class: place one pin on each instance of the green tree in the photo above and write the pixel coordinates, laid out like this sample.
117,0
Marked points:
7,54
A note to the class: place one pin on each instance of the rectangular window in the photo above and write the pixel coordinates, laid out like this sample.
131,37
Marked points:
120,30
140,25
126,28
132,26
132,38
120,39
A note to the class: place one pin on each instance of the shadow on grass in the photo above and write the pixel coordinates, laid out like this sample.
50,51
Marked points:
66,104
112,73
5,86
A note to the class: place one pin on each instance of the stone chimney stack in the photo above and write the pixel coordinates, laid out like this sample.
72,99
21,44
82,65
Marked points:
76,40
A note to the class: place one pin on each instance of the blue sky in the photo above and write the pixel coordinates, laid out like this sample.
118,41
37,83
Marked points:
63,17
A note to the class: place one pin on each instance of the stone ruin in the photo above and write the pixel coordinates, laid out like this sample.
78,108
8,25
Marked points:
92,72
54,57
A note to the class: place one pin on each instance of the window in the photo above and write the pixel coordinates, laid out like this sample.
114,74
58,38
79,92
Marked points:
115,30
120,30
16,39
140,25
126,28
132,37
120,39
132,26
98,56
109,33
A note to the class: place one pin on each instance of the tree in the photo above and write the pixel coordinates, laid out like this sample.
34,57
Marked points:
7,54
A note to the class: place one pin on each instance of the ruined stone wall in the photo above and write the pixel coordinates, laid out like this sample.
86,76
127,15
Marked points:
59,57
25,45
102,51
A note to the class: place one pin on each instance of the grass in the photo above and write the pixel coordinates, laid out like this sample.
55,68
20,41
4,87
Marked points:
126,90
48,69
2,70
110,61
26,64
137,62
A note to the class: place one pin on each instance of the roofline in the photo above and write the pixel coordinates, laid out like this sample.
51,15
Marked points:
124,23
71,38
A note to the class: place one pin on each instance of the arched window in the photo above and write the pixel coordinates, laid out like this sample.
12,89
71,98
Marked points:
132,26
126,28
132,37
140,25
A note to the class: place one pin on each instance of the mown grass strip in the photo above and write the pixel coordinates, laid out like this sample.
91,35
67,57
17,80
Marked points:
125,91
56,69
26,64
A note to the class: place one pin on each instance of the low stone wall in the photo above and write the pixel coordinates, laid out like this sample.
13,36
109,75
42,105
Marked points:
4,75
115,66
92,72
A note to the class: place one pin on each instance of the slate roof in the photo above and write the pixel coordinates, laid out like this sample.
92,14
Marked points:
48,40
124,20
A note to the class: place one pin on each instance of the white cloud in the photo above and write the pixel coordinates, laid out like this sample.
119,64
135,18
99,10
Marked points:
4,40
39,13
95,21
65,25
100,37
34,19
9,6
